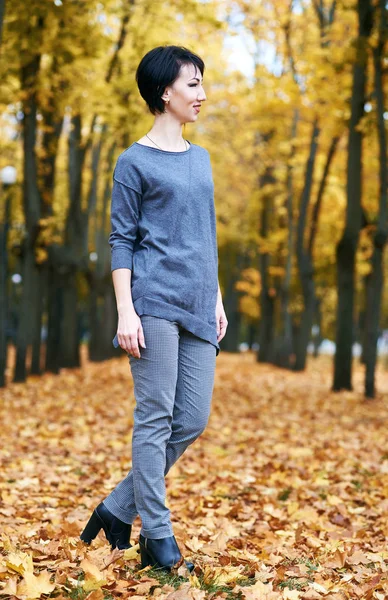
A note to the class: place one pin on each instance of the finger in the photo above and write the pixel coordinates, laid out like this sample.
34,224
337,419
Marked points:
125,342
221,333
141,336
134,346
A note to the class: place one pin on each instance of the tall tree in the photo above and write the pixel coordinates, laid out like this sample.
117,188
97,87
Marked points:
267,300
31,60
347,246
375,278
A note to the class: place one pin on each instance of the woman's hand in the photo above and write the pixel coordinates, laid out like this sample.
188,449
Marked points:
221,320
130,332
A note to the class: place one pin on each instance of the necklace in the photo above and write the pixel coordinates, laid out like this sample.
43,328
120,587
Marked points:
159,146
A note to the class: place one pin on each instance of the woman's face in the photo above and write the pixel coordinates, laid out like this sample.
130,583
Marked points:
186,94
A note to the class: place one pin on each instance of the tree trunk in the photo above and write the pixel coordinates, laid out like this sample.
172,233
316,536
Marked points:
267,325
36,315
252,334
318,321
267,320
75,249
52,113
54,320
31,202
347,246
375,279
4,225
23,335
305,264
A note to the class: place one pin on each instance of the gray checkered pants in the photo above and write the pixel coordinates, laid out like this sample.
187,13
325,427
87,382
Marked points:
173,385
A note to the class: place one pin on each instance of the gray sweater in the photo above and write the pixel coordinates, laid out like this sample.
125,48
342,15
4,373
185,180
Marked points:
163,228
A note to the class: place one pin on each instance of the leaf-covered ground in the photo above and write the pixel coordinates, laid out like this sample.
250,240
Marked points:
285,495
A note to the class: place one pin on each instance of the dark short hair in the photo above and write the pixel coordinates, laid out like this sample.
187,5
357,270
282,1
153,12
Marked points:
159,68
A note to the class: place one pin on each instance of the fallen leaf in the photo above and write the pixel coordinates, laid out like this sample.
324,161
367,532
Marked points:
132,553
20,562
33,586
94,579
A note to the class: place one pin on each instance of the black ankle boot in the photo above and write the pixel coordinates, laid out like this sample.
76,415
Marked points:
163,553
117,532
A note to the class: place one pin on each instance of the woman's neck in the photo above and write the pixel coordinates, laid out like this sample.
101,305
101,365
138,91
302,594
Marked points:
167,133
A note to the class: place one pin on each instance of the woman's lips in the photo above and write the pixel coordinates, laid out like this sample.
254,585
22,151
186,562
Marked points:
197,108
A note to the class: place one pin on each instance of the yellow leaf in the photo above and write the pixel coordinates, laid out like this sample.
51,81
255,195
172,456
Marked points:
33,586
90,569
131,553
18,561
94,579
292,507
220,575
93,584
7,544
194,580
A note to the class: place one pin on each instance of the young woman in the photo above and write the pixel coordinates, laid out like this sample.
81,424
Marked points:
170,312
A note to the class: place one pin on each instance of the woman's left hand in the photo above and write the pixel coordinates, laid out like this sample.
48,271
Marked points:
222,322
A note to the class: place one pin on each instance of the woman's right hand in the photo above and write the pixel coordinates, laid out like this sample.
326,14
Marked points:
130,332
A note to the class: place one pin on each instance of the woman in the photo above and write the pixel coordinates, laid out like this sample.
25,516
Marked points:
165,275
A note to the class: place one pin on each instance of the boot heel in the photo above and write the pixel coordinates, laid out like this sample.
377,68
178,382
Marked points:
92,528
145,558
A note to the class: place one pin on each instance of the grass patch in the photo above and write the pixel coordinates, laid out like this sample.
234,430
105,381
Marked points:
284,495
293,583
176,581
164,577
77,593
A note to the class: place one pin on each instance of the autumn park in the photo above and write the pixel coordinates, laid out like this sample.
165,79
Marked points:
284,495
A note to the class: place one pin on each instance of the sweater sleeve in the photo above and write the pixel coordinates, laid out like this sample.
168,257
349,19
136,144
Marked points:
125,211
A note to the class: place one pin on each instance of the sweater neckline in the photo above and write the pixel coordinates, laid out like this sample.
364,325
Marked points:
166,151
